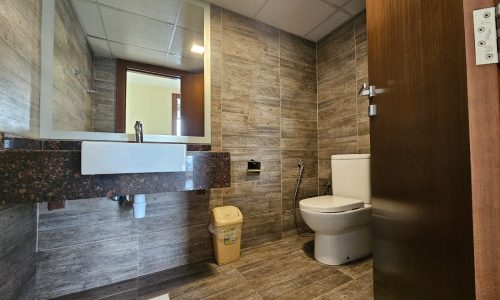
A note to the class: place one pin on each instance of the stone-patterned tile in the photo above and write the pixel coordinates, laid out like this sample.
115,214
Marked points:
290,160
336,43
122,290
297,49
248,40
296,76
338,68
21,285
67,270
308,189
260,229
173,247
80,222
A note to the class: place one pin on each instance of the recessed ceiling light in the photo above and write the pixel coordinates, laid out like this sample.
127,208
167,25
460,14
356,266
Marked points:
198,49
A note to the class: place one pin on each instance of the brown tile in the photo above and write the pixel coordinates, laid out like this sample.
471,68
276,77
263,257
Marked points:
296,76
336,43
290,160
297,49
248,40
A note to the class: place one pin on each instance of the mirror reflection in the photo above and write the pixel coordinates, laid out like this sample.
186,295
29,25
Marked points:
121,61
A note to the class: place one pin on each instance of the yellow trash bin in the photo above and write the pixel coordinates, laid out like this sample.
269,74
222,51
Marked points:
225,226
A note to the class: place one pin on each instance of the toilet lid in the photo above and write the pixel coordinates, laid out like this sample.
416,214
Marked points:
330,204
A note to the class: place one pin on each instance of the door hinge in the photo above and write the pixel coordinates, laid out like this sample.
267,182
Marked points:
486,34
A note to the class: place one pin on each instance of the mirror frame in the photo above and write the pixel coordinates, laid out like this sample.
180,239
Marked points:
46,89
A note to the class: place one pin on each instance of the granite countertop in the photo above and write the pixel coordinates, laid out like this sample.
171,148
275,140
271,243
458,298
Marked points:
30,174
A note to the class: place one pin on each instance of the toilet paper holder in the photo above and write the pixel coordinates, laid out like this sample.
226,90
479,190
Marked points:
253,167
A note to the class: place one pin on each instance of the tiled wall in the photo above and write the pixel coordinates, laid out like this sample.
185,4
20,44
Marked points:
20,66
264,108
17,251
19,114
343,123
94,242
265,101
105,99
72,103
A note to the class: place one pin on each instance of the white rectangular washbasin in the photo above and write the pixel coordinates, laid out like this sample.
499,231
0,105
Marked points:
125,158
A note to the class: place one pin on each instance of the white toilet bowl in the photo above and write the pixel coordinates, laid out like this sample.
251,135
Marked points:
342,222
340,237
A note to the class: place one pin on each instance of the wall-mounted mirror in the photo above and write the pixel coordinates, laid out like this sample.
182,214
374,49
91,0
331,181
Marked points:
109,63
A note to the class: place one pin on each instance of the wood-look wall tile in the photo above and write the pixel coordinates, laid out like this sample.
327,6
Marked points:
290,160
17,227
21,284
297,76
173,247
336,43
247,39
120,290
230,142
298,128
296,95
298,110
66,270
260,229
308,189
297,49
244,77
289,229
81,223
337,69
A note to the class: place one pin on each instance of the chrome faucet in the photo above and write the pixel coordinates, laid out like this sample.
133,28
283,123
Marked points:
139,134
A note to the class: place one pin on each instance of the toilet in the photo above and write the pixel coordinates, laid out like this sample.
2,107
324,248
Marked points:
341,222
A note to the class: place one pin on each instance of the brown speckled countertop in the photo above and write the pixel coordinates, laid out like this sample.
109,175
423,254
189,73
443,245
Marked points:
51,175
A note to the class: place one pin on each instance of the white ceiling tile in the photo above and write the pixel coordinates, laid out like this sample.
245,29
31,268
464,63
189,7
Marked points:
137,54
295,16
244,7
131,29
184,63
355,6
191,17
99,46
184,40
328,26
164,10
337,2
88,15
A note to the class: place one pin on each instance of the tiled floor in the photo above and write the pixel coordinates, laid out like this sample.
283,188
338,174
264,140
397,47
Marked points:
280,270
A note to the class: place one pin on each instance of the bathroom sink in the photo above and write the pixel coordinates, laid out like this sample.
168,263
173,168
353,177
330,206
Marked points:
122,158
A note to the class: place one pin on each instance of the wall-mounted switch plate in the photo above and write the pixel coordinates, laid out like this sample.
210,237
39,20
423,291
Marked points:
485,36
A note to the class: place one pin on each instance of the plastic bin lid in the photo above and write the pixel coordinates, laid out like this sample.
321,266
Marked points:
226,215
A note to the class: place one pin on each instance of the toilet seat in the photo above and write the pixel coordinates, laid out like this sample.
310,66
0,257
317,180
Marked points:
330,204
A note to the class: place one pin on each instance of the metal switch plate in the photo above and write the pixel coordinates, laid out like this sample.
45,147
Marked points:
485,36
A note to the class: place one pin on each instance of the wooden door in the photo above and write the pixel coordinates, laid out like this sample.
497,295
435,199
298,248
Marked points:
192,105
421,182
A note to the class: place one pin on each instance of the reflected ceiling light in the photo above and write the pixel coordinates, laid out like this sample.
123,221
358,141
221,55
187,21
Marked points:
197,49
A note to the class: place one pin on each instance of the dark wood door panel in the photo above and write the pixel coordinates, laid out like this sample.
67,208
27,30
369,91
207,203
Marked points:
420,151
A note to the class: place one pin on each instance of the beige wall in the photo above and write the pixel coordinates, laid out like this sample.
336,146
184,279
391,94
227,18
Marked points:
152,105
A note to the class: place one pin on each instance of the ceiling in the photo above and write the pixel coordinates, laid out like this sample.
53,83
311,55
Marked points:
310,19
158,32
